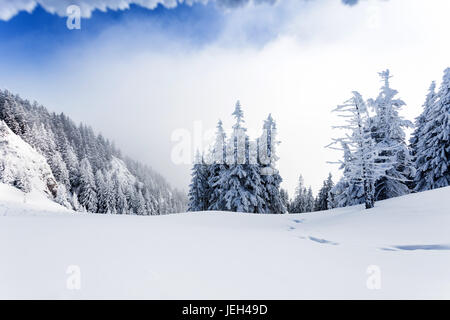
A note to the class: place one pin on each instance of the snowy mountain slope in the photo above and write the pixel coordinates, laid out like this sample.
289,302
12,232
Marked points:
89,169
227,255
23,166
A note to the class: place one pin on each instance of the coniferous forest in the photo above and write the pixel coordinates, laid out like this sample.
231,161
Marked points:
91,173
239,174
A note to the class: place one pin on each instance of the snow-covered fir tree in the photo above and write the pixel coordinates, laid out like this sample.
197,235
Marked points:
285,199
237,194
303,200
310,201
198,189
420,122
109,205
387,128
271,178
433,140
62,196
346,192
88,194
323,200
121,199
255,183
102,201
217,169
419,127
362,166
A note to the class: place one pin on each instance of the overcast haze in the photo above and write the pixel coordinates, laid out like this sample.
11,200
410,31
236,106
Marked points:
137,76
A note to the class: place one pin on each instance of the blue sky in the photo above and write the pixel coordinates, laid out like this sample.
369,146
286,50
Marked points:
139,75
31,38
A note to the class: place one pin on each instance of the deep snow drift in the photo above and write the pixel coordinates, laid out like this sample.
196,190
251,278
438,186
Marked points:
332,254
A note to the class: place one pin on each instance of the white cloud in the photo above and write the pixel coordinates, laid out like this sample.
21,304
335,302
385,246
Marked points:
9,8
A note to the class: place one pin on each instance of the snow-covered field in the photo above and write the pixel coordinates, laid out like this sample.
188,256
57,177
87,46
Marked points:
402,245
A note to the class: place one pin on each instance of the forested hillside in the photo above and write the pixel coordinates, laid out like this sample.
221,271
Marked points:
91,173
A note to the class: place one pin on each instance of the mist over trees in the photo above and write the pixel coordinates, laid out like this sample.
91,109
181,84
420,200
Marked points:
91,173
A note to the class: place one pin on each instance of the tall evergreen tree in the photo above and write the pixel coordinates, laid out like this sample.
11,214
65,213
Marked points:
310,201
271,178
198,195
387,129
110,201
121,199
62,196
285,199
102,200
88,195
346,192
238,196
433,145
323,198
363,170
217,169
300,202
420,122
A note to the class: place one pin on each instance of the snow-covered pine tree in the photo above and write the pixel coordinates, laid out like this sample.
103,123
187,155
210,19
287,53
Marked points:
102,201
421,121
88,195
346,192
285,199
323,198
62,196
300,202
109,199
433,146
139,203
198,189
217,169
362,167
59,169
254,182
310,201
121,199
236,195
387,129
271,178
7,114
72,165
150,203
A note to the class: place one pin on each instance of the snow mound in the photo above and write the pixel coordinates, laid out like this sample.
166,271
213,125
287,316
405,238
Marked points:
14,202
22,166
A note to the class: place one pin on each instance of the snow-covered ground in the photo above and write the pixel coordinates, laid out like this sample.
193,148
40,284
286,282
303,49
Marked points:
402,245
